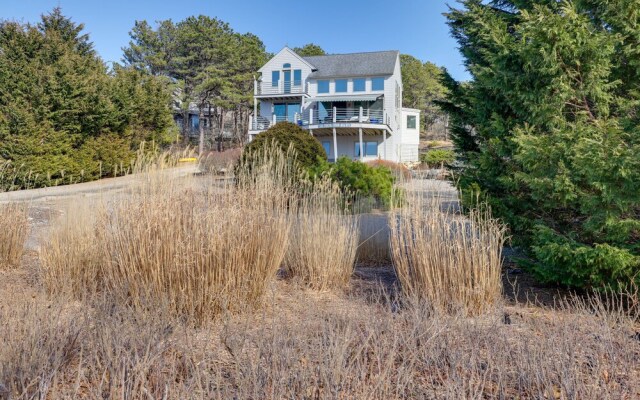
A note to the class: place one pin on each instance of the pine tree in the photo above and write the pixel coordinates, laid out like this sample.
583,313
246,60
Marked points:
548,127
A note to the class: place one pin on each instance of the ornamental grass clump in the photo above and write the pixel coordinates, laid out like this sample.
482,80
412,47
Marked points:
451,261
14,228
324,237
197,246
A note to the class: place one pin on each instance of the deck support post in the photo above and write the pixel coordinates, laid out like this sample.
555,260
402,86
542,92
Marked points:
384,144
361,144
335,146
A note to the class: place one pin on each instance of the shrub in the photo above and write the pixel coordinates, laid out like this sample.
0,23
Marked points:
14,228
285,134
438,158
400,171
359,179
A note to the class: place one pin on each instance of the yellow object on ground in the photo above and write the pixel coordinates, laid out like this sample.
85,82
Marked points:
188,159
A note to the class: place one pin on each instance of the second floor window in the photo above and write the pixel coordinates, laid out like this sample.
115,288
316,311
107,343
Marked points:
359,85
275,78
377,83
297,77
341,85
323,86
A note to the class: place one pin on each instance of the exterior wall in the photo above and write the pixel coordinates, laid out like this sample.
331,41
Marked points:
409,139
391,97
285,56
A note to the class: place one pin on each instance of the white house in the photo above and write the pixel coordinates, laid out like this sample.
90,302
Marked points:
351,103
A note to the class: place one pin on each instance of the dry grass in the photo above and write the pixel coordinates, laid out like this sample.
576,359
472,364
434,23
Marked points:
324,236
14,228
220,162
201,249
452,262
324,347
149,262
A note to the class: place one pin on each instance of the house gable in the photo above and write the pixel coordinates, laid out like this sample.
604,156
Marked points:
286,56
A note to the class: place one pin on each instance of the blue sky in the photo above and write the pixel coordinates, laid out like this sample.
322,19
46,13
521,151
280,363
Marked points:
414,27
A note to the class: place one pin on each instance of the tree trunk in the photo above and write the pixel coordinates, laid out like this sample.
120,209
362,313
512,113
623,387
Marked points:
221,130
201,130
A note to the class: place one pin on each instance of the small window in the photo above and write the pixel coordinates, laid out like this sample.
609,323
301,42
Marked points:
297,77
370,149
275,78
359,85
377,84
327,147
341,85
411,122
287,65
323,86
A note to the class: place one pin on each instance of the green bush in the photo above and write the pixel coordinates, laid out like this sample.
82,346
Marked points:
438,158
547,128
309,151
362,180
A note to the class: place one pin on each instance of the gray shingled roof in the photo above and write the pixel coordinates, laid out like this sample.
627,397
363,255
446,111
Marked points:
354,64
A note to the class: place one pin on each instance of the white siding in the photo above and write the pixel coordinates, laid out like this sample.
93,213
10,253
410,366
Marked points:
285,56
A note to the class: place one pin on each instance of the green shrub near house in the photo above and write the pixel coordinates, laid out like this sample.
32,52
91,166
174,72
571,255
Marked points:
309,152
438,158
373,184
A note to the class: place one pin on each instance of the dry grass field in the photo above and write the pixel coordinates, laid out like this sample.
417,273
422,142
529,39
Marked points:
200,288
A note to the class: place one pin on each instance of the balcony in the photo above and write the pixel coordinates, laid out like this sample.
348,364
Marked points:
280,88
342,116
333,118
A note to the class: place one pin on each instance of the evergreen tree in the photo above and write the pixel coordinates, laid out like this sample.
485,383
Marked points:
549,130
57,103
422,87
309,49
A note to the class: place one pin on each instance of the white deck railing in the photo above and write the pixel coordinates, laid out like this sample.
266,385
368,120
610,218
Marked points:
343,115
280,87
335,116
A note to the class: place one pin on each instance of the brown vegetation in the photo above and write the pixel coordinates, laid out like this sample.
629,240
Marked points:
14,228
455,263
324,237
170,290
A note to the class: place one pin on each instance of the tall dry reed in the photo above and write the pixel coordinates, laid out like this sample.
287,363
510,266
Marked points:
199,245
324,237
74,254
451,261
14,229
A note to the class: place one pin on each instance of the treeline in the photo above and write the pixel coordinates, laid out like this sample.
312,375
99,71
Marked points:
212,65
63,116
548,130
